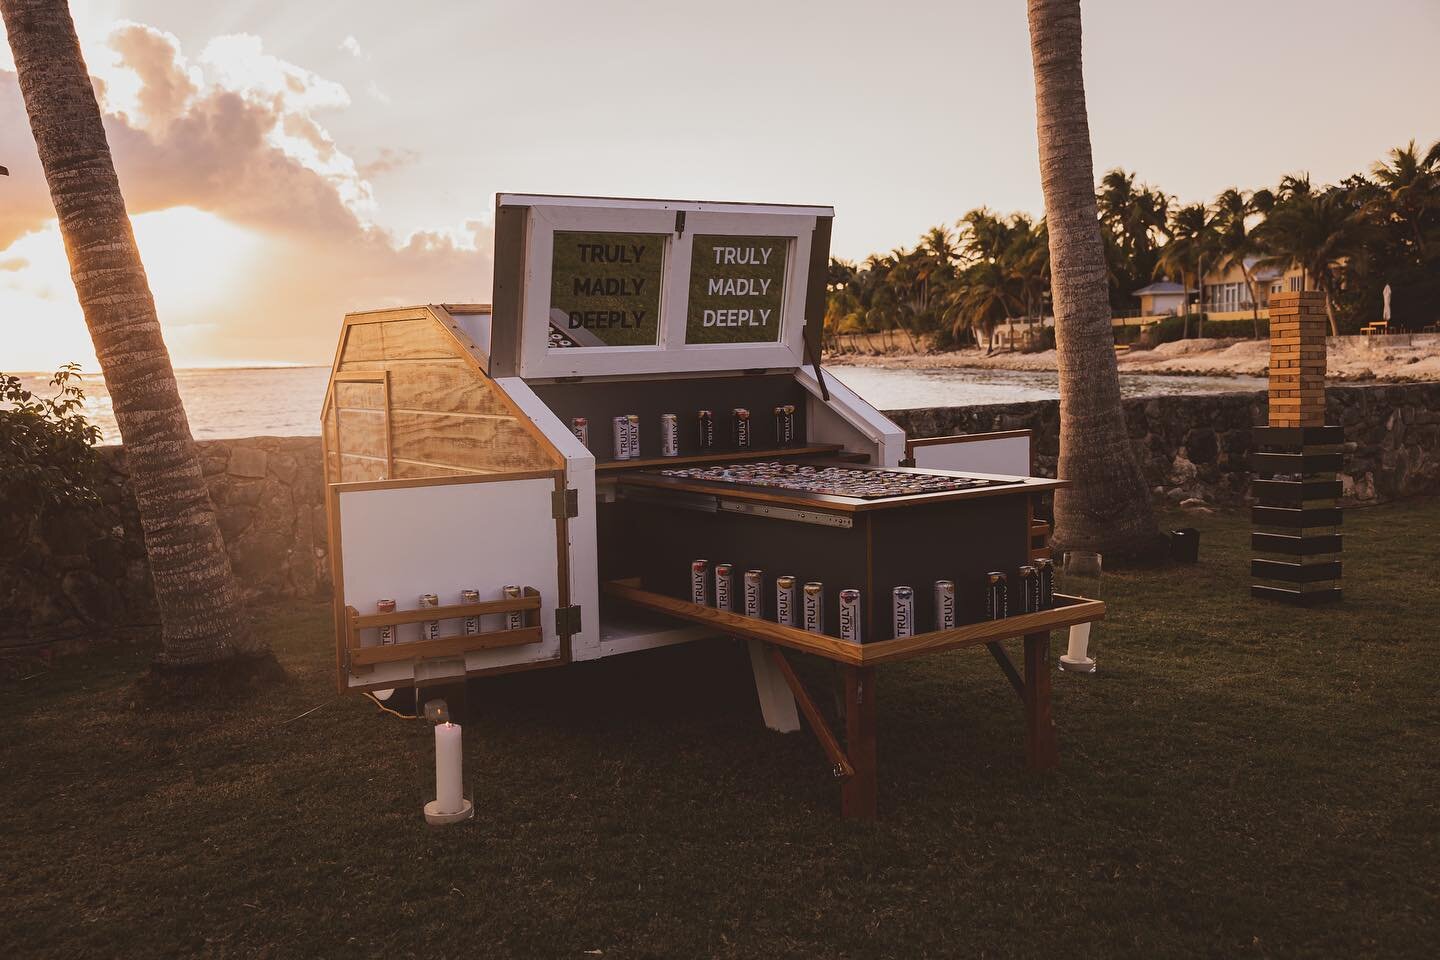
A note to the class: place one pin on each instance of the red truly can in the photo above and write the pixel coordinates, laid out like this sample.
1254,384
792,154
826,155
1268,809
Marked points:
581,428
698,569
387,632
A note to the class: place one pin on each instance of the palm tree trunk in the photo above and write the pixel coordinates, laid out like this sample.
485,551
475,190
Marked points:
194,586
1107,507
1254,303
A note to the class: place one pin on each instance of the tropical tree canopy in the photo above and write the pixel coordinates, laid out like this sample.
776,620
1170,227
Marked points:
1349,240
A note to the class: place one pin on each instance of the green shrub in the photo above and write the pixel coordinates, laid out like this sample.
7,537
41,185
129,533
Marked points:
47,447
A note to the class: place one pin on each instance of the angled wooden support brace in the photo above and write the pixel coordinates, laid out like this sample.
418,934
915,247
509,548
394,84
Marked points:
1012,673
823,733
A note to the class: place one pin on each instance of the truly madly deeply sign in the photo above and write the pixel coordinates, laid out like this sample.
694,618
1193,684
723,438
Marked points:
737,289
605,289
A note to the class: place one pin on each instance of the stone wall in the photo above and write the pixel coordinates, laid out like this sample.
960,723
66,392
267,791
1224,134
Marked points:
1197,447
83,575
86,576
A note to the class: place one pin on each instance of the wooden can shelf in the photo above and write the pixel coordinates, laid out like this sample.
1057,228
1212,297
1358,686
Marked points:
452,645
1068,612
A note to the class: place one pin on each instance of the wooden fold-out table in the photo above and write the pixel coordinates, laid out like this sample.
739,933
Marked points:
854,762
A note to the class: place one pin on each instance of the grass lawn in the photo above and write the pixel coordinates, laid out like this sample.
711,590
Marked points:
1240,779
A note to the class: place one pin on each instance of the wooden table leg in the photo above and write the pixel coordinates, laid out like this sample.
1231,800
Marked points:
859,793
1042,752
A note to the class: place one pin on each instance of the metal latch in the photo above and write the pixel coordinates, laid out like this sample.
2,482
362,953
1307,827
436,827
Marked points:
565,503
567,621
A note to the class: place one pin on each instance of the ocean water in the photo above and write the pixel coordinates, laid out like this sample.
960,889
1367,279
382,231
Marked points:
285,401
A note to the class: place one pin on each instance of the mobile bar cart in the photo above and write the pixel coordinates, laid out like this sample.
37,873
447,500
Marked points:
540,478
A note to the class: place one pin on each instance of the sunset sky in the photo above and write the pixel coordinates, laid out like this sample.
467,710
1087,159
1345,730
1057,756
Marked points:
286,162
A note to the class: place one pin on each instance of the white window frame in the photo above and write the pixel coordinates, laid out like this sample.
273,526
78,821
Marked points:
671,352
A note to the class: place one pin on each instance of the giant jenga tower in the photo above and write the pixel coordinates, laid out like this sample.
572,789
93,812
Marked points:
1296,519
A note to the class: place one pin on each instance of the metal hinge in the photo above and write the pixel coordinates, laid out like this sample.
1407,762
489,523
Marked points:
567,621
565,503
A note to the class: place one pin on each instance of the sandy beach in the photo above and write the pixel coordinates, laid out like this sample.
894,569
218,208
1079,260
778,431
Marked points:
1356,359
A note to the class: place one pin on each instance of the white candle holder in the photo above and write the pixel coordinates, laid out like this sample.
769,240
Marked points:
441,697
1080,575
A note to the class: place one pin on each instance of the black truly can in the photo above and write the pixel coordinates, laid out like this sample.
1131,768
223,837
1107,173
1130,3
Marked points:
724,581
707,429
997,601
903,615
785,425
1046,568
1029,589
740,421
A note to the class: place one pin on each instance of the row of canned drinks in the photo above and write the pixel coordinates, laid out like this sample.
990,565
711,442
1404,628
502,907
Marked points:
1035,582
626,431
430,629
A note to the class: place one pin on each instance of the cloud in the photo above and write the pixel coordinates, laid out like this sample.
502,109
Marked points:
239,133
352,46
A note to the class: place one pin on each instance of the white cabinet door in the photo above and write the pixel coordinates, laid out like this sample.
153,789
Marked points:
400,539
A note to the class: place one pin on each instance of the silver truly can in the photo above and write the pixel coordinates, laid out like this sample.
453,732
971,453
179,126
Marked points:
723,583
814,606
698,569
669,435
472,623
902,602
754,593
387,633
944,604
634,423
430,629
514,619
622,437
581,428
785,601
850,615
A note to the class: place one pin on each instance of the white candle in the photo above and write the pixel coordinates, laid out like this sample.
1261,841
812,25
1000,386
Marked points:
447,768
1079,642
